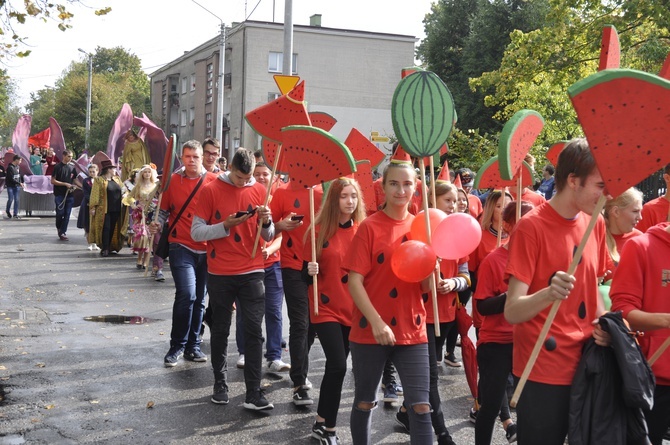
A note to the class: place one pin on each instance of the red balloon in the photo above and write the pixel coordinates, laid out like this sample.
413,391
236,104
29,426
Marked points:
413,261
418,229
457,236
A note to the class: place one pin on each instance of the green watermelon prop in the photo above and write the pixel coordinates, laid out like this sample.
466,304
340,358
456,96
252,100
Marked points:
168,162
364,177
409,70
312,156
625,119
488,176
422,112
322,120
517,137
610,51
665,70
554,151
362,149
289,109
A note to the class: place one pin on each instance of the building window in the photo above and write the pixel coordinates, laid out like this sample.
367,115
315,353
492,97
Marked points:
184,85
191,117
210,71
183,118
273,96
276,60
208,121
192,82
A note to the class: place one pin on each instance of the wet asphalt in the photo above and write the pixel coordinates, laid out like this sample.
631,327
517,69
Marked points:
67,380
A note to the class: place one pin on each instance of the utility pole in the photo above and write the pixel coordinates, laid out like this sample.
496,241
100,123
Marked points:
88,98
287,65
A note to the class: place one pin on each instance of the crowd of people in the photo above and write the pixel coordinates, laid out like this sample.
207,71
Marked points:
232,249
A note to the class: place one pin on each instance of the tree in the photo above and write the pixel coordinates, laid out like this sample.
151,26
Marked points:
9,112
13,21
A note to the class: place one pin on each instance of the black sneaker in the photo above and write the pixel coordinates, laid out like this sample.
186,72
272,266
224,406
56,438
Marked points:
402,419
256,401
173,356
451,360
319,430
301,397
195,355
330,438
510,433
220,393
445,439
390,394
473,415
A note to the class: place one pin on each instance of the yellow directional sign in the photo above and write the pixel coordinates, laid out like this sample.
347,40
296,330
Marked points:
286,83
379,139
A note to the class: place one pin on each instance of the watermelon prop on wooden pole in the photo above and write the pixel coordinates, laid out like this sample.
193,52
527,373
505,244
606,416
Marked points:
362,149
622,114
363,176
422,113
554,151
489,176
610,51
313,156
322,120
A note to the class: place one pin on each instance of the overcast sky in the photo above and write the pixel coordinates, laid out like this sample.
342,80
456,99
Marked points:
158,31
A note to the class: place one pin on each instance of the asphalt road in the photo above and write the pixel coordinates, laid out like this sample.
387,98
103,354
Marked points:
65,380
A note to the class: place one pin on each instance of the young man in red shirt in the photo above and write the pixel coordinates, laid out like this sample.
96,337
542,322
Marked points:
229,226
641,289
541,249
657,210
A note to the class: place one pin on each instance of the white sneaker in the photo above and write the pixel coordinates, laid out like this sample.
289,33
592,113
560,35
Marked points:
278,366
308,385
90,247
240,362
96,247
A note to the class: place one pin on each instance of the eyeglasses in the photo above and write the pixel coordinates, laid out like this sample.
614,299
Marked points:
212,153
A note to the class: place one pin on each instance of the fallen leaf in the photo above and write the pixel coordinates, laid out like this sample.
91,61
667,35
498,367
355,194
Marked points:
81,292
52,406
40,365
150,404
131,290
3,367
95,402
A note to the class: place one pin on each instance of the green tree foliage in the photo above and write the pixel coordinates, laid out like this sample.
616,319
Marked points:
17,17
117,78
9,112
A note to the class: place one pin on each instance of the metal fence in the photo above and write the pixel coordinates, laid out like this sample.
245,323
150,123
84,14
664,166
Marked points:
653,187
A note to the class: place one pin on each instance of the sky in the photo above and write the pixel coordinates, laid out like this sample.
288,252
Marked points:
159,31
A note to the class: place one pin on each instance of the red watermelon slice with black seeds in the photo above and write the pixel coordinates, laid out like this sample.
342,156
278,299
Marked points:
364,177
517,137
488,176
610,51
626,121
665,70
312,156
362,149
554,151
322,120
289,109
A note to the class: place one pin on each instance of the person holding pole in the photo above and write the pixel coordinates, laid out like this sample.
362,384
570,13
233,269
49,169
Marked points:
641,290
542,247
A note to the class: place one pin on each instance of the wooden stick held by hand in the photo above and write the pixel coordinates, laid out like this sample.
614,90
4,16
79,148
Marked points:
312,234
556,304
433,284
267,199
659,352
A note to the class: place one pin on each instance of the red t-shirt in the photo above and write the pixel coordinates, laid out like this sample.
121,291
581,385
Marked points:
642,281
284,201
494,328
620,240
175,196
529,196
543,242
231,255
415,205
475,205
275,257
446,303
398,303
654,212
486,246
335,303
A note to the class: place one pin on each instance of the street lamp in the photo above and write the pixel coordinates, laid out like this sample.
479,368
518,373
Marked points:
88,97
222,65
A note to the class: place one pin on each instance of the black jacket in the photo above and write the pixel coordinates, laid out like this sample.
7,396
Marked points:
14,177
610,389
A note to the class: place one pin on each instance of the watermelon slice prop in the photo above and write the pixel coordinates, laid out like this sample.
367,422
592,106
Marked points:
423,115
168,167
363,176
322,120
621,112
313,156
554,151
665,69
489,176
610,51
517,137
363,149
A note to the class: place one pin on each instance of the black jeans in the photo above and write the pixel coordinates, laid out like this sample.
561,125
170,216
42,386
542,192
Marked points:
542,414
658,419
495,364
334,339
448,334
111,218
223,290
297,306
436,416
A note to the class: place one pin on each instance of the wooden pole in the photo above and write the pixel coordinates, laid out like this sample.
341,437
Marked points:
267,198
312,233
556,304
659,351
432,181
519,191
433,284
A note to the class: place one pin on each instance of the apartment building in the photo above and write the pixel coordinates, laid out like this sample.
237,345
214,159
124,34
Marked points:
348,74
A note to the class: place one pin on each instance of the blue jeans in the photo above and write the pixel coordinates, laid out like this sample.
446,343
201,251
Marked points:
274,297
223,291
411,361
13,196
63,210
189,272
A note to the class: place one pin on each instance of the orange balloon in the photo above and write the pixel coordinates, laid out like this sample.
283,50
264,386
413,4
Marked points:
418,229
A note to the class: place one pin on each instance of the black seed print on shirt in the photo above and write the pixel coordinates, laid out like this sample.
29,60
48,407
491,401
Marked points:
582,310
237,238
550,344
393,293
425,298
326,244
289,243
394,321
573,255
217,215
296,203
325,299
418,320
363,323
380,258
345,279
213,254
